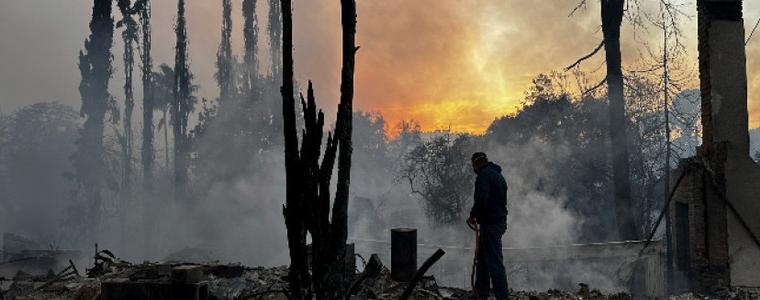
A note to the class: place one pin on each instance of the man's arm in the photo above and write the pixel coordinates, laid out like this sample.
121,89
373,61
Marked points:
480,197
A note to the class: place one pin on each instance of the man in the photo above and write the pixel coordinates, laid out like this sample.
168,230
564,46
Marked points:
490,212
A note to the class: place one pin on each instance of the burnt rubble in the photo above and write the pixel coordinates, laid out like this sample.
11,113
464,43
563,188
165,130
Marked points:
114,279
28,256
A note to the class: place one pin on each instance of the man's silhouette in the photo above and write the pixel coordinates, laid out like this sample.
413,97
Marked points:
490,212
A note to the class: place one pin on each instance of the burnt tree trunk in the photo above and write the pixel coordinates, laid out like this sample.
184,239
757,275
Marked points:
317,195
298,274
307,208
612,17
343,130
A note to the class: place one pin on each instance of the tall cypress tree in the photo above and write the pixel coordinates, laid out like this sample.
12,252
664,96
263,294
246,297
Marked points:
147,152
224,76
95,69
270,106
250,39
129,36
182,104
275,38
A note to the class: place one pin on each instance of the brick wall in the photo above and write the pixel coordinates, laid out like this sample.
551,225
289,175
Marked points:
702,257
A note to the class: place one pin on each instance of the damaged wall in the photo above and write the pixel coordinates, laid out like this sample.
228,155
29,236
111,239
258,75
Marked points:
722,230
723,74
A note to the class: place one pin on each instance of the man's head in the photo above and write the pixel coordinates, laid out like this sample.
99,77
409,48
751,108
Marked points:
479,159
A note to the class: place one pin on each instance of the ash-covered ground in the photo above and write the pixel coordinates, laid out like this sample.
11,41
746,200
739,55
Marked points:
112,278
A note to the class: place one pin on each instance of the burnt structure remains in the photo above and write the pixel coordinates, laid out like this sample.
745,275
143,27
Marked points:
716,199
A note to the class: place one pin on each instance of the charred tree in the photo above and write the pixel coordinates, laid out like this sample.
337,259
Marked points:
224,76
612,17
182,104
95,69
343,130
147,152
293,210
316,195
307,209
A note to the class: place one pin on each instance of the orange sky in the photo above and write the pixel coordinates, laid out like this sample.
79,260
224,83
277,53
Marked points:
460,64
457,64
443,63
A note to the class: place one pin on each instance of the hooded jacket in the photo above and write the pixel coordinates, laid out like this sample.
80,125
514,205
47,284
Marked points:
490,205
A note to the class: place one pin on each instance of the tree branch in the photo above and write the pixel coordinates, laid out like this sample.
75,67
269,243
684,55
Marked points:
580,60
595,87
752,32
581,4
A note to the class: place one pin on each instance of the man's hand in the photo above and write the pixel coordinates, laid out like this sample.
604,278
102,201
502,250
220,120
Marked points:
472,221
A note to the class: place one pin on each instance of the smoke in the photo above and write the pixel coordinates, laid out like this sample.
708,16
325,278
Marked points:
240,219
233,212
554,160
539,216
536,218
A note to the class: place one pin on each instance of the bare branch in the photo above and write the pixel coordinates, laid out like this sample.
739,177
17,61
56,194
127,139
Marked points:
649,70
752,32
580,60
581,4
595,87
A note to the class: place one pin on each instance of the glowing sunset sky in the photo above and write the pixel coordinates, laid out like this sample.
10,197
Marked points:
458,63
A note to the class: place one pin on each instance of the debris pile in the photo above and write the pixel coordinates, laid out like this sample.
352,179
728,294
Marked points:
732,293
238,282
50,286
114,279
23,254
383,287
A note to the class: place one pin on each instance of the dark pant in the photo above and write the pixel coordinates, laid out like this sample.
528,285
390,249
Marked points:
491,262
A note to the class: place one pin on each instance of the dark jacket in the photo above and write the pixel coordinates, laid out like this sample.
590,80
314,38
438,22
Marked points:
490,205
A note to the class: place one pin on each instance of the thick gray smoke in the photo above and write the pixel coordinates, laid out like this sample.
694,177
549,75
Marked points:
236,215
232,211
239,219
536,218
